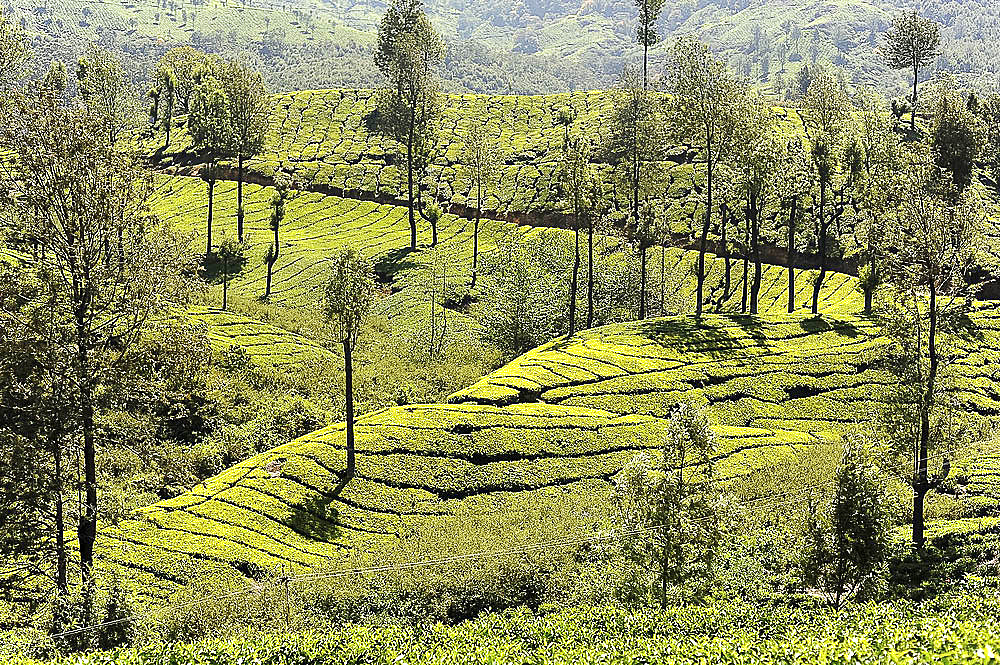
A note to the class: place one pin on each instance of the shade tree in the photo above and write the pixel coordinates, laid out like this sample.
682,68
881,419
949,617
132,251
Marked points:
702,111
347,299
249,114
913,42
483,156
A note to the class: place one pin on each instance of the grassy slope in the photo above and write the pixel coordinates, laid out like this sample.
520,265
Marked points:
602,397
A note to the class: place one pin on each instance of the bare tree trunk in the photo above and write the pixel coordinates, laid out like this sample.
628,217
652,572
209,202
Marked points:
872,279
913,111
727,280
225,283
755,245
703,245
349,406
921,481
663,285
590,270
211,201
642,281
270,265
475,233
822,248
409,185
62,580
574,280
791,254
239,198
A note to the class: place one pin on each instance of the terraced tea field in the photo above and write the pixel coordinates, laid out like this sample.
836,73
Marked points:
264,343
316,225
321,136
551,428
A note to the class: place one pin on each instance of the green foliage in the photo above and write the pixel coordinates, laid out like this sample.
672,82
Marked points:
348,295
668,513
847,541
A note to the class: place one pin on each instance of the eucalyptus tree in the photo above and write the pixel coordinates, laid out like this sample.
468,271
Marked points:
249,114
281,192
185,62
635,137
649,13
874,190
668,511
407,51
826,107
937,234
166,97
104,86
577,181
110,264
956,135
483,156
211,131
758,164
348,298
795,185
702,110
912,43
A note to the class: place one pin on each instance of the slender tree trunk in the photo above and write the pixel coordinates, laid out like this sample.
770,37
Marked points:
746,268
703,245
663,285
349,406
225,283
62,579
239,198
270,265
921,482
727,280
791,254
755,245
642,281
574,281
822,248
590,270
88,518
913,111
872,279
475,233
211,206
409,185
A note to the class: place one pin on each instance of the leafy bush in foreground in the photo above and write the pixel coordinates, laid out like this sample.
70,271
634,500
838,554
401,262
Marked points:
896,633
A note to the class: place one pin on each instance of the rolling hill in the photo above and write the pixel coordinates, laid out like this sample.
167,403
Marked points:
551,428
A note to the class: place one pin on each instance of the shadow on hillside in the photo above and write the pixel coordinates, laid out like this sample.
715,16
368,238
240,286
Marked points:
392,263
689,334
316,517
212,267
818,324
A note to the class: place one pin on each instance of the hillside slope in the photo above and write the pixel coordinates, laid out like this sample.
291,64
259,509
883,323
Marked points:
550,429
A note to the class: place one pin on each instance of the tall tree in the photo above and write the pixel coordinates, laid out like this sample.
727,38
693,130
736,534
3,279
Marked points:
634,139
649,13
407,51
826,108
211,132
703,98
848,541
277,217
874,191
937,234
794,187
249,117
484,160
112,264
348,297
956,134
577,184
677,494
185,62
989,111
911,43
757,162
104,86
166,97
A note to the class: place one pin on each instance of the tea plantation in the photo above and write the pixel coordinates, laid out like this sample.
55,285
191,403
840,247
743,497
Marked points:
316,225
734,634
322,137
551,428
